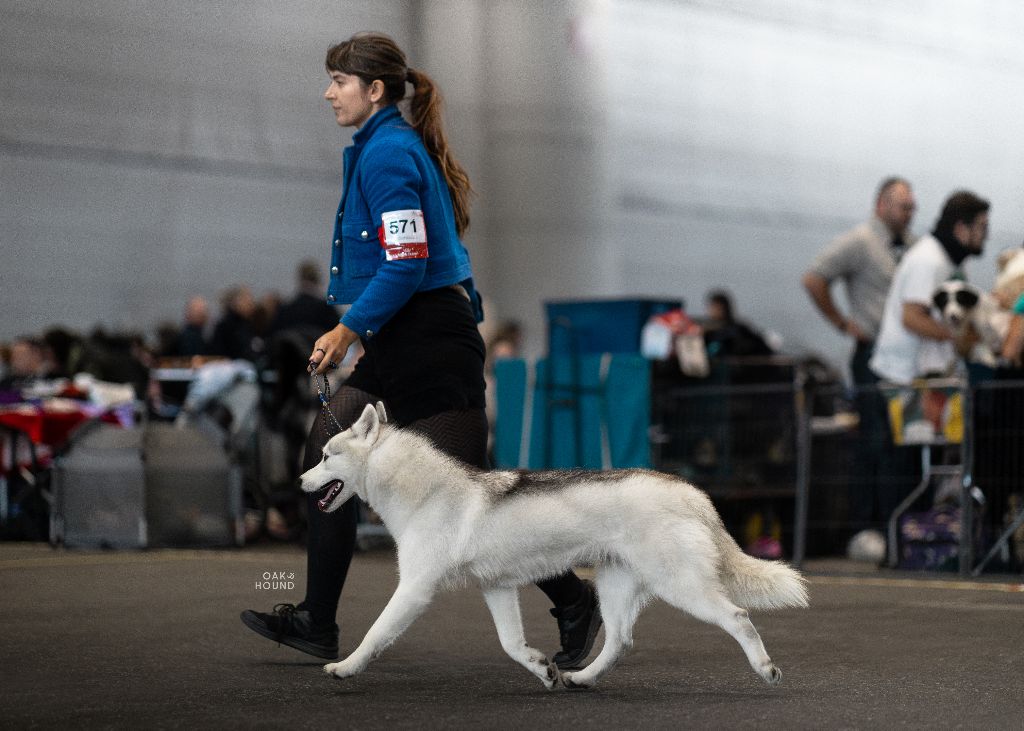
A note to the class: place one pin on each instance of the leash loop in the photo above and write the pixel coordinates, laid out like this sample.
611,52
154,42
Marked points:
324,395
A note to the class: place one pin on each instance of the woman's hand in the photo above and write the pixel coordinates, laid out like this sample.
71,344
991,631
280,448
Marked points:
330,348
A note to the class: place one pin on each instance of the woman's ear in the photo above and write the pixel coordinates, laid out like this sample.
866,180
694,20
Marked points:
376,91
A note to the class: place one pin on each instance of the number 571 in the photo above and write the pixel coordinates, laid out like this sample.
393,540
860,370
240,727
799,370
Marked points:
399,225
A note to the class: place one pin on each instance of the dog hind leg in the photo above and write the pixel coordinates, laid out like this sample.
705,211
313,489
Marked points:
710,605
621,596
508,620
407,603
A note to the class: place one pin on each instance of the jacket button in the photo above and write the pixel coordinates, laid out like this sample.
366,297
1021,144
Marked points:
330,298
365,235
337,242
334,270
369,333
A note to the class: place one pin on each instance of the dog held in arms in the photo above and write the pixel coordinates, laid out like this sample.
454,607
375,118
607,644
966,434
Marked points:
647,535
961,305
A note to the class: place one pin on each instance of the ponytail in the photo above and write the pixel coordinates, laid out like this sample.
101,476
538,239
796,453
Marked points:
425,111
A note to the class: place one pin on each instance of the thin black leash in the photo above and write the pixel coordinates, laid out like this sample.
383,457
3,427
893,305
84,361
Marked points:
325,401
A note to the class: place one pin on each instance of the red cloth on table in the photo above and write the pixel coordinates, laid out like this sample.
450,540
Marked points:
42,426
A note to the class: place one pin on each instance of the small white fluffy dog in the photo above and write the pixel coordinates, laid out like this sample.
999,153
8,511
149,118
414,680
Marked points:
647,535
960,304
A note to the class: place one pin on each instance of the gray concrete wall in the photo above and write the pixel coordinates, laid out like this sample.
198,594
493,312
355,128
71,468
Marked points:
152,150
619,148
521,98
744,135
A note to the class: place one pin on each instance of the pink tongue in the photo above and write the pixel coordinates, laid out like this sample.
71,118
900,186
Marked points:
333,490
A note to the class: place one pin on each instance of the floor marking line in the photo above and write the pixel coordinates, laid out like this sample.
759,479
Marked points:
917,583
172,555
142,558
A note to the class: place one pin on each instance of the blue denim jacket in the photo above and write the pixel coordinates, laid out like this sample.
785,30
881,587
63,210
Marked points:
387,168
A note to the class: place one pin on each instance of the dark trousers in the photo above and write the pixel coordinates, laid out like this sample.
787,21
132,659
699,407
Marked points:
885,473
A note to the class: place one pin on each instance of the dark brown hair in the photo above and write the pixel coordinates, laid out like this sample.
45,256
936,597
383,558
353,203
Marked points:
722,298
963,206
372,56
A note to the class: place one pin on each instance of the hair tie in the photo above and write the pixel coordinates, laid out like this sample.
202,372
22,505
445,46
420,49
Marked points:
410,76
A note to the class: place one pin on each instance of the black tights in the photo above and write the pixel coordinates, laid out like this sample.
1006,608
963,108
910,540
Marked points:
332,536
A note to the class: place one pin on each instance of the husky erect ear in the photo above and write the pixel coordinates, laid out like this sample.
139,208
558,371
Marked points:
368,424
382,413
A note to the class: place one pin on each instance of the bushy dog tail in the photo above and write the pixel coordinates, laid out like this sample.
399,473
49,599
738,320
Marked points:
753,583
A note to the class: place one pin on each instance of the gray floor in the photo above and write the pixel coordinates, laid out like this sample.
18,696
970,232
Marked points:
152,639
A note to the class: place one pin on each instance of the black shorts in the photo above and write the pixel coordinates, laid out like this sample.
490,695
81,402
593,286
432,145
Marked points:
427,359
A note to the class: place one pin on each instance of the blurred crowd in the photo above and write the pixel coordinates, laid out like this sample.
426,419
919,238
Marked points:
246,328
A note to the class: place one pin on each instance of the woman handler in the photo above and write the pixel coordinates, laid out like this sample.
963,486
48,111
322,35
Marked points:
397,258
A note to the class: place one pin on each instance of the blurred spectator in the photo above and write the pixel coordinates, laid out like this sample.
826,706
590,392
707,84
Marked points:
116,358
1013,346
506,341
192,338
1009,291
234,333
167,334
864,258
308,309
911,343
295,327
724,335
26,363
263,316
1009,284
65,353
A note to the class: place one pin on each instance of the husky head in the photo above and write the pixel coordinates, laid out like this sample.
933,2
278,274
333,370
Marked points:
955,300
344,458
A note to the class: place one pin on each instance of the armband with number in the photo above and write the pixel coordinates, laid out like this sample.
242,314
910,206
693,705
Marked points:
403,235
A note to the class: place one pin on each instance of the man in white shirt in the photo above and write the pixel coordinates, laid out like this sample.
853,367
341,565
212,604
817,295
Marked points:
911,343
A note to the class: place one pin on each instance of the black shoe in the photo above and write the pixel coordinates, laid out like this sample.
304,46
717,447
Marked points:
577,627
289,625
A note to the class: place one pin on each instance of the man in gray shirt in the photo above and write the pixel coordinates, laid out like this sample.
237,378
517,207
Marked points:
865,259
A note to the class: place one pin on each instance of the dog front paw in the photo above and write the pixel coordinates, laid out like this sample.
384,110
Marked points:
549,674
572,681
340,669
772,675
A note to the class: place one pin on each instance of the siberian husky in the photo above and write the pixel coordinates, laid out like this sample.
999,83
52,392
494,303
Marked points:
646,534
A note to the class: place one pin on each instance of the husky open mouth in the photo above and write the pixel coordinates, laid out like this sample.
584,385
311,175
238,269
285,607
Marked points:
329,491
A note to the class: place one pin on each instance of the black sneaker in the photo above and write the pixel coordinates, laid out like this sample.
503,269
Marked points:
289,625
577,627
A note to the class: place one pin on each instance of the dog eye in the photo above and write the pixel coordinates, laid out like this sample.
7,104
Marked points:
965,298
940,300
